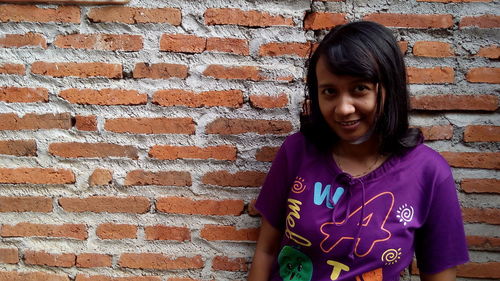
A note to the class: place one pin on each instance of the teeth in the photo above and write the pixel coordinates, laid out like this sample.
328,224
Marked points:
348,123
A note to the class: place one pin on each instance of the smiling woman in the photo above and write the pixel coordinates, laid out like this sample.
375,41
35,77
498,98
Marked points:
371,194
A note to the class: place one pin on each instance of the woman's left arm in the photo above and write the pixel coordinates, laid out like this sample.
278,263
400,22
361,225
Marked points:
449,274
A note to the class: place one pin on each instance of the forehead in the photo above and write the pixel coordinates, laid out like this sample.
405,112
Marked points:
326,77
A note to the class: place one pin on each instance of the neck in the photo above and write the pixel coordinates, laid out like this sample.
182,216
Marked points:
360,151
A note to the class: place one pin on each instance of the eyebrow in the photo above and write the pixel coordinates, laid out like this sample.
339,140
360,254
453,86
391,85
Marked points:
358,80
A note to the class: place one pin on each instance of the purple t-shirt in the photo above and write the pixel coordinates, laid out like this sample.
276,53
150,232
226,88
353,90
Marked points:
336,227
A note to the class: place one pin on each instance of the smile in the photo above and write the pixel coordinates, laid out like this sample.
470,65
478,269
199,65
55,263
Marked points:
348,123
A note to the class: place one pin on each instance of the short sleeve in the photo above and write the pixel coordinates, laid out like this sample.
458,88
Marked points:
271,202
440,242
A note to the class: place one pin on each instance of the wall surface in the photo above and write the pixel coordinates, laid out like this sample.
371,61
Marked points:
134,138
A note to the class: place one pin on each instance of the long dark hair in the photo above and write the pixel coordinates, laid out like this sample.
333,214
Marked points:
369,50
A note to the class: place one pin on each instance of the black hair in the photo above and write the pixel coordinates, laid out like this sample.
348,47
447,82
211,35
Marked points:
368,50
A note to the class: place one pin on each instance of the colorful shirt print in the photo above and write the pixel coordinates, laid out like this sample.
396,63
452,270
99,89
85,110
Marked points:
336,227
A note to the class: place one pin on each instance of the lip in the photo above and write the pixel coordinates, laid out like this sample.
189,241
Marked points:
351,124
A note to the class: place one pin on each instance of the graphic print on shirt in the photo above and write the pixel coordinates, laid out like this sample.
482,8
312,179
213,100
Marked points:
294,265
294,206
405,214
391,256
321,195
298,185
336,232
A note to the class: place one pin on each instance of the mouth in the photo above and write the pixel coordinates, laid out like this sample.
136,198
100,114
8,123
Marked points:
348,123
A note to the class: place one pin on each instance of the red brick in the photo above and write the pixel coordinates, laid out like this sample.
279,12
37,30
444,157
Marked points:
92,150
82,277
481,215
93,260
182,205
171,233
492,52
26,229
229,264
434,75
484,75
26,204
151,125
442,132
31,276
225,126
167,152
107,42
412,20
433,49
159,261
86,123
31,13
282,49
48,259
9,255
16,94
480,185
483,243
31,121
320,20
244,18
18,147
484,160
241,178
228,233
403,46
479,270
36,175
484,21
164,178
104,96
133,15
182,43
252,211
77,69
23,40
482,133
101,177
116,231
266,153
160,71
178,97
98,204
454,1
12,68
455,102
228,45
233,72
264,101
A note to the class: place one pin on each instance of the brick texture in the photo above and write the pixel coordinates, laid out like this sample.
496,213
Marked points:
484,75
101,177
25,204
132,15
12,68
455,102
485,160
483,133
88,260
226,126
160,71
167,152
18,147
165,178
16,94
484,21
92,150
233,72
150,125
245,18
266,153
492,52
31,121
170,233
182,205
9,255
177,97
484,215
442,132
483,243
84,277
264,102
80,69
241,178
228,233
435,75
319,20
48,259
36,175
75,231
412,20
480,185
31,276
159,261
108,42
31,13
104,96
229,264
31,40
116,231
86,123
131,204
432,49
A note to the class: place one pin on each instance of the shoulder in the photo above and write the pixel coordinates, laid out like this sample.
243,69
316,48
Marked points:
426,160
297,145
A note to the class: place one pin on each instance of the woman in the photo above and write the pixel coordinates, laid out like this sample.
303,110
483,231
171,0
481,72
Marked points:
355,194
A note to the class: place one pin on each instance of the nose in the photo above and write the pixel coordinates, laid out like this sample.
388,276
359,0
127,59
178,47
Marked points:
345,106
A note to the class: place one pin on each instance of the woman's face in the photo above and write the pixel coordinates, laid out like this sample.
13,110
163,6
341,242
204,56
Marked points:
347,103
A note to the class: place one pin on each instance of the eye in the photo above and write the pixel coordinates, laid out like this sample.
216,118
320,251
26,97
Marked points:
361,88
299,268
328,91
290,266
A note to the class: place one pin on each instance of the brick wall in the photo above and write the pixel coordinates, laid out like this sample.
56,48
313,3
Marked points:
134,138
